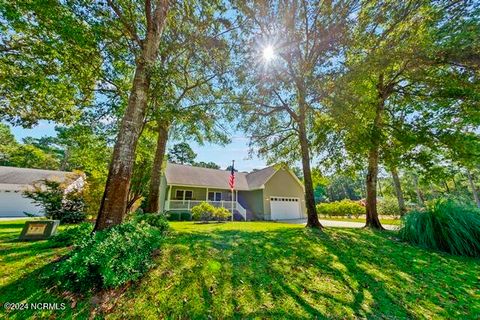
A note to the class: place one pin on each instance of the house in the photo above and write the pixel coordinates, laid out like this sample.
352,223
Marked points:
272,193
13,181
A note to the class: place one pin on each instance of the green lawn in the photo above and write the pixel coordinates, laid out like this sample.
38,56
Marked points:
270,270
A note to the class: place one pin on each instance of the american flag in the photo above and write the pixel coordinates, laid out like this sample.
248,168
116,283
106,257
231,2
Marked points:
231,180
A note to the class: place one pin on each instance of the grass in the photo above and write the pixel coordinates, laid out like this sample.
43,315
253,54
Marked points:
395,222
269,270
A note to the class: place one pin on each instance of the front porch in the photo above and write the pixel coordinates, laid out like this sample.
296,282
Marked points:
186,197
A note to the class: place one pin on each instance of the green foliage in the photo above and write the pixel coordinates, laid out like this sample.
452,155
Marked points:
179,216
203,211
108,258
211,165
72,235
49,62
155,220
68,207
388,206
341,208
222,214
447,226
181,153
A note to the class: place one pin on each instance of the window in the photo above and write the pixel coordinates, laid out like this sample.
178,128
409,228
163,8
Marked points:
214,196
184,195
179,195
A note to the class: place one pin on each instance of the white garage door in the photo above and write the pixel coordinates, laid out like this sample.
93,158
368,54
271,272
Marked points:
285,208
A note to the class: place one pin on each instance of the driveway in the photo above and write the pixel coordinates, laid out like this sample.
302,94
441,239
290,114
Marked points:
339,224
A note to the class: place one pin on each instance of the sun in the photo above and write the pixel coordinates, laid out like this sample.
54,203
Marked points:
268,53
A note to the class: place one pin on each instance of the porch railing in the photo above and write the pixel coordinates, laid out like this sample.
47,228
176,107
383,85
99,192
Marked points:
189,204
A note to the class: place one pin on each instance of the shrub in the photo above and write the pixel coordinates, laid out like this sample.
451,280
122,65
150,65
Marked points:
72,235
203,211
68,207
222,214
388,207
446,225
341,208
108,258
178,216
154,219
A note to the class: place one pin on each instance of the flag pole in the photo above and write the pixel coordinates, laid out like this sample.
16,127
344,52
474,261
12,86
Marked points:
233,168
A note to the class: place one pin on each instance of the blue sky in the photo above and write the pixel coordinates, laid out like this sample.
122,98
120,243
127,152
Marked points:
221,155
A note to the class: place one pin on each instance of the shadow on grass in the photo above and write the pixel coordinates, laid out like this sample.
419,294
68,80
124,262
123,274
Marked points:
283,273
299,273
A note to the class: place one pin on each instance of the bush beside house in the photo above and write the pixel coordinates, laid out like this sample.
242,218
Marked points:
206,212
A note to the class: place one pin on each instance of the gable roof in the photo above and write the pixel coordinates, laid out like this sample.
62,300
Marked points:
13,178
186,175
257,179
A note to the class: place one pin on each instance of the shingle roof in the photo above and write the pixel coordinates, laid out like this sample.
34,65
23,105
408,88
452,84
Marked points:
186,175
13,178
257,179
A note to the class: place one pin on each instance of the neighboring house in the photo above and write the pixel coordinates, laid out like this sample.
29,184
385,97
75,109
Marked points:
13,181
272,193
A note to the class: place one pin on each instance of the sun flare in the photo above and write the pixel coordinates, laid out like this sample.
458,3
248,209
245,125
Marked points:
268,53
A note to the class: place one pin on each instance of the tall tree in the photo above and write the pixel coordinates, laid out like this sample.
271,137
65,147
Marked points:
384,58
150,21
194,56
182,153
287,49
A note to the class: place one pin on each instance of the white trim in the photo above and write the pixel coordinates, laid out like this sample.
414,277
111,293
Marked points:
210,187
184,194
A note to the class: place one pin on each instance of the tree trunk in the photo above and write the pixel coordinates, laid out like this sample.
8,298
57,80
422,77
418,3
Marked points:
420,199
114,201
398,191
312,217
476,197
155,178
380,192
372,175
372,220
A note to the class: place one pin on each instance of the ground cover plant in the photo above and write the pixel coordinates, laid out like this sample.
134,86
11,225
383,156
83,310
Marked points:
110,258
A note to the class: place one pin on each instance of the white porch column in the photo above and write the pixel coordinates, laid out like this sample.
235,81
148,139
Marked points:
169,194
206,196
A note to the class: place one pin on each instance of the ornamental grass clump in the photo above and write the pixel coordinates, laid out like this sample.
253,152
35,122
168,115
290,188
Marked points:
447,225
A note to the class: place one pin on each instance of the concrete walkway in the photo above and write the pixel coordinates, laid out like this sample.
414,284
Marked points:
339,224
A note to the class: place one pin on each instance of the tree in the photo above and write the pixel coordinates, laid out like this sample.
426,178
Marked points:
290,45
194,57
211,165
384,60
8,144
152,19
182,153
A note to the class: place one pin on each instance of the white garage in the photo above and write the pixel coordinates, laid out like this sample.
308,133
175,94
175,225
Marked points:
13,181
283,208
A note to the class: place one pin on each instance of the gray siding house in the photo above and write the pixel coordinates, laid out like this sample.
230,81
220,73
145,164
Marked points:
273,193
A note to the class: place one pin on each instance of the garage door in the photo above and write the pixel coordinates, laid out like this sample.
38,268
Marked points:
285,208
